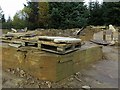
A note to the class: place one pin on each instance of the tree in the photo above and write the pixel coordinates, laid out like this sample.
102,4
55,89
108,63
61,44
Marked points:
8,24
105,13
32,11
19,21
96,13
111,13
3,21
1,13
68,15
3,18
43,14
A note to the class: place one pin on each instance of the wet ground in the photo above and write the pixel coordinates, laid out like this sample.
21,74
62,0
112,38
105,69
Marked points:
101,74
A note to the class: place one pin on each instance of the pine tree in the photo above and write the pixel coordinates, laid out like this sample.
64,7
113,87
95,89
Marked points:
3,18
68,15
111,13
33,14
43,14
96,13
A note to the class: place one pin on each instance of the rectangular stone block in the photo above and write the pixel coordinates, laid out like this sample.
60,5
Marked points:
49,66
11,58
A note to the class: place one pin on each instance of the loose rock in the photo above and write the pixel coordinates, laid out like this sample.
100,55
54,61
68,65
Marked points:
86,87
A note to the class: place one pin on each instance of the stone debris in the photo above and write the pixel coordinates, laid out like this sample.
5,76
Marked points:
13,30
78,79
8,70
71,79
13,72
17,69
48,84
32,82
15,45
112,43
29,77
22,73
111,27
86,87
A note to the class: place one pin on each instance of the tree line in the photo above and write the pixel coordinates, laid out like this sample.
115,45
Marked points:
62,15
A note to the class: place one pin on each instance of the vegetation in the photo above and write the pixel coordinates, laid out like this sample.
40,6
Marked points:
63,15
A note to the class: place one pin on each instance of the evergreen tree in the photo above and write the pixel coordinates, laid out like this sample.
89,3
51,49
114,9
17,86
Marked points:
3,18
32,15
19,21
8,24
96,13
3,21
1,13
68,14
43,14
111,13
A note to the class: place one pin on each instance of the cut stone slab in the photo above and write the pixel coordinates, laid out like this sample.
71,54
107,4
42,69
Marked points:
100,42
60,39
67,40
59,45
58,48
15,45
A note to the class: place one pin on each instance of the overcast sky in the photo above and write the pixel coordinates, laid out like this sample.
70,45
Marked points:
10,7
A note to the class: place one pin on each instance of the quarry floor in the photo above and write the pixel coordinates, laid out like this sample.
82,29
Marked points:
101,74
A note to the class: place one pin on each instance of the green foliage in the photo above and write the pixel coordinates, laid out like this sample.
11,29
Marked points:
43,14
111,13
32,12
19,21
68,15
96,12
105,14
62,15
1,13
7,24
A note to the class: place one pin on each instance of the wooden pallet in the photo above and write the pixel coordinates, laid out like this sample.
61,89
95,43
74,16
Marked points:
22,42
58,48
59,45
30,43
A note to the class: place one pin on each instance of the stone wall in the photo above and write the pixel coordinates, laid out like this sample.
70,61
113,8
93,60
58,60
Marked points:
49,66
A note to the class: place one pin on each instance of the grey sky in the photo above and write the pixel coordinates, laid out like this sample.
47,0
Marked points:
10,7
